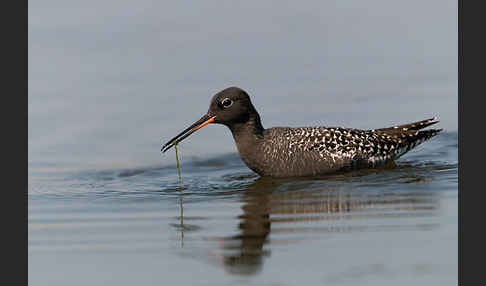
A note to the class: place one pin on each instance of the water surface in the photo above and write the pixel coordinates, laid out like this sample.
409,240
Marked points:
226,224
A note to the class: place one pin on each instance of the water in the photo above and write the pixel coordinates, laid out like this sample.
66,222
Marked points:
107,86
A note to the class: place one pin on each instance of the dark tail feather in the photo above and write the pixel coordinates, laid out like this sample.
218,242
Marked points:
409,136
426,134
415,138
412,126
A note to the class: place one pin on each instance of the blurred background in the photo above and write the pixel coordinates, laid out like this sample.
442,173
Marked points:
110,80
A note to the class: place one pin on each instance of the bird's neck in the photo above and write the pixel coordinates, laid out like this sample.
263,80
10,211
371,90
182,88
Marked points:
251,129
249,138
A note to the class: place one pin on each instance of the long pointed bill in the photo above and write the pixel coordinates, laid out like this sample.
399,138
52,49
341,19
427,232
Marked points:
205,120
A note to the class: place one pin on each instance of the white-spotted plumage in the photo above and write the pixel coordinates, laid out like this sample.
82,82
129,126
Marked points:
314,149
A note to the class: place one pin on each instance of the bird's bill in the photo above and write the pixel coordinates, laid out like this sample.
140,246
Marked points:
205,120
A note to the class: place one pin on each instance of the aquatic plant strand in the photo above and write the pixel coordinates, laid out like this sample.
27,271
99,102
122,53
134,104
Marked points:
181,201
178,164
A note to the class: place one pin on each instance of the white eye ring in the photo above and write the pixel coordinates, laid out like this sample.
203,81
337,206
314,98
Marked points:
226,102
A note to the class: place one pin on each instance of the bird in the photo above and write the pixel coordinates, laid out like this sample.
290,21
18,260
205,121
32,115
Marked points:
304,151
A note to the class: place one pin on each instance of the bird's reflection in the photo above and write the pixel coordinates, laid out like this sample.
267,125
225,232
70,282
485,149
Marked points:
290,210
286,204
243,253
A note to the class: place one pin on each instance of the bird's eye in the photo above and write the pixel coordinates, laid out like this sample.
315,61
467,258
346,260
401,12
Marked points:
226,102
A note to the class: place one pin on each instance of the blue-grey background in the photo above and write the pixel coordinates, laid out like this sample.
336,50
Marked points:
109,81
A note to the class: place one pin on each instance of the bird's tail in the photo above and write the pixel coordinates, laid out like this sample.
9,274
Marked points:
412,126
410,135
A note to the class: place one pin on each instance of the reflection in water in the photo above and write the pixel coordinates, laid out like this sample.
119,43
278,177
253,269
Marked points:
287,204
293,210
183,227
244,252
182,221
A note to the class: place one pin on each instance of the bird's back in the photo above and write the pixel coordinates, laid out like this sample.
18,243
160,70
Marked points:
305,151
